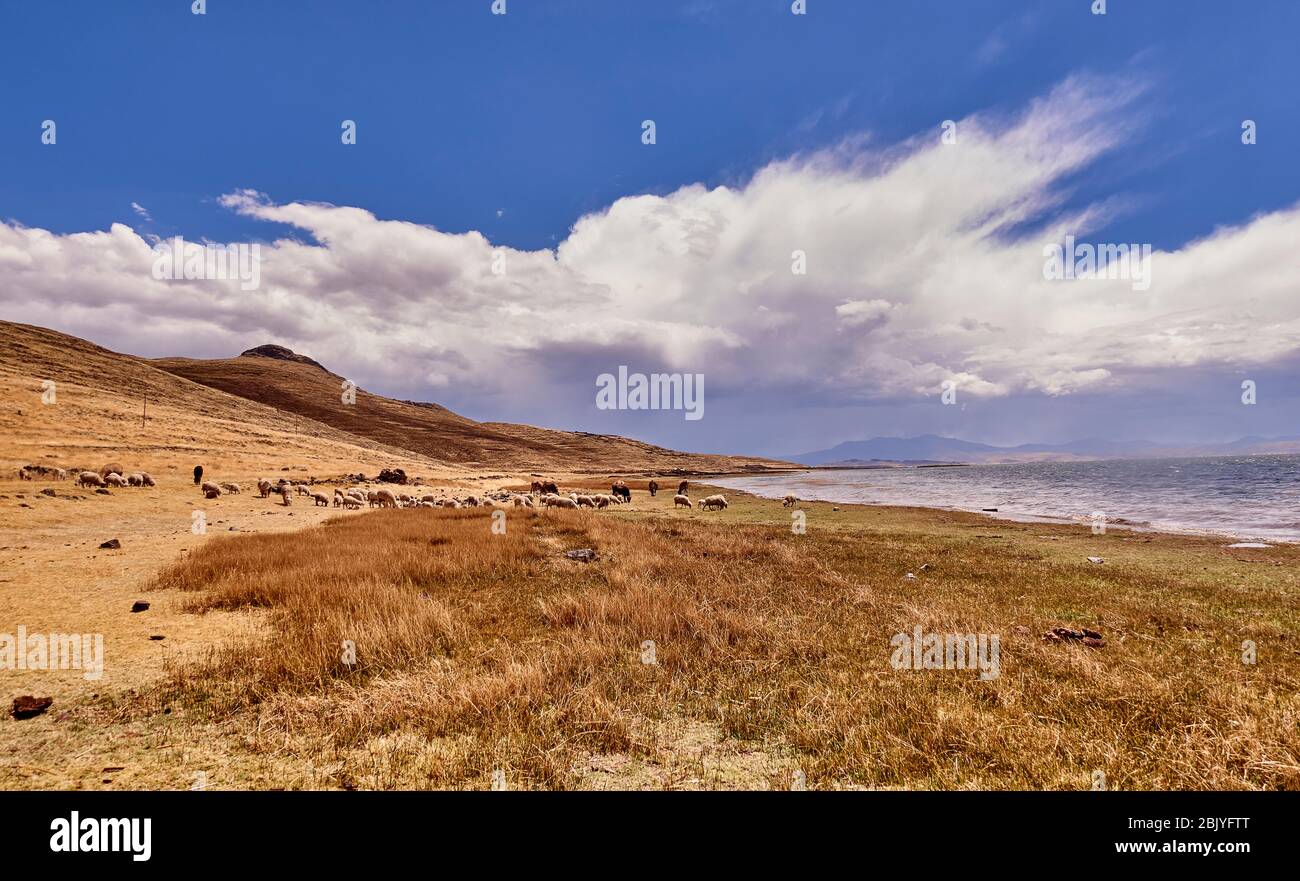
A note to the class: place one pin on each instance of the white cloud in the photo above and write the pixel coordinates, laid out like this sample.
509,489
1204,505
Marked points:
912,279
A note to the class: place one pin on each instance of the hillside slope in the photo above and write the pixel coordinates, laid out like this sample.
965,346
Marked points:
292,383
109,406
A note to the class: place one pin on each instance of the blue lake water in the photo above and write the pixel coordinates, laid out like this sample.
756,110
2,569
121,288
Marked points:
1240,496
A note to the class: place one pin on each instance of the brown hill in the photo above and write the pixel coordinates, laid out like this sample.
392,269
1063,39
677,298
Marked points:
108,406
294,383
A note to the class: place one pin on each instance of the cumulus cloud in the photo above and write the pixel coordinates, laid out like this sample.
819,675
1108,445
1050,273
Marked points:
924,263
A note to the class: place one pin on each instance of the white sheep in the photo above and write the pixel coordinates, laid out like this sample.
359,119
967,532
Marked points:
210,490
585,501
351,502
302,489
134,480
681,501
233,488
60,473
146,479
286,495
320,499
264,486
712,503
386,498
89,478
554,501
115,479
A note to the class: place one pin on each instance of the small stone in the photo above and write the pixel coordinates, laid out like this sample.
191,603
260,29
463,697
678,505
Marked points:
157,636
1096,560
139,606
48,492
111,545
585,555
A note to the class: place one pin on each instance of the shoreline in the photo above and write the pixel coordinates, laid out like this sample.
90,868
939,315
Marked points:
803,494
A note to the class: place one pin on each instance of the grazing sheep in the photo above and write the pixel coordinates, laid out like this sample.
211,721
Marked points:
320,499
549,486
351,502
233,488
654,488
586,501
134,480
789,502
429,497
470,501
302,489
713,503
424,504
602,501
111,468
286,495
682,501
147,479
264,486
89,478
386,498
60,473
210,491
554,501
115,479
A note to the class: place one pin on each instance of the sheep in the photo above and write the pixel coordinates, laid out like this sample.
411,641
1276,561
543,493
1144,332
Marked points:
111,468
424,504
351,502
320,499
233,488
302,489
586,501
264,486
24,474
428,497
115,479
134,480
712,503
386,498
286,495
338,498
554,501
602,501
60,473
682,501
789,502
147,479
89,478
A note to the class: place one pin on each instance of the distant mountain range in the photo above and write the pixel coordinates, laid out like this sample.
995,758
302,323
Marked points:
933,449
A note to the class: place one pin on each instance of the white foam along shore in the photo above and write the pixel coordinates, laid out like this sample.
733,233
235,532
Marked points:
816,485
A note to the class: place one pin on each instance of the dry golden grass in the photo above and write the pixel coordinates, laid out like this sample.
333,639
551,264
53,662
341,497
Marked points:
477,651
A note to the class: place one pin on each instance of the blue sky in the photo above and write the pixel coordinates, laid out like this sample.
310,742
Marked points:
516,126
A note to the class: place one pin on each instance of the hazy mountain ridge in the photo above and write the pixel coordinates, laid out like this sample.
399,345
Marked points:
932,448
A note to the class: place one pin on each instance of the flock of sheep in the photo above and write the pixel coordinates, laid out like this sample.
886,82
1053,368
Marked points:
111,474
544,494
